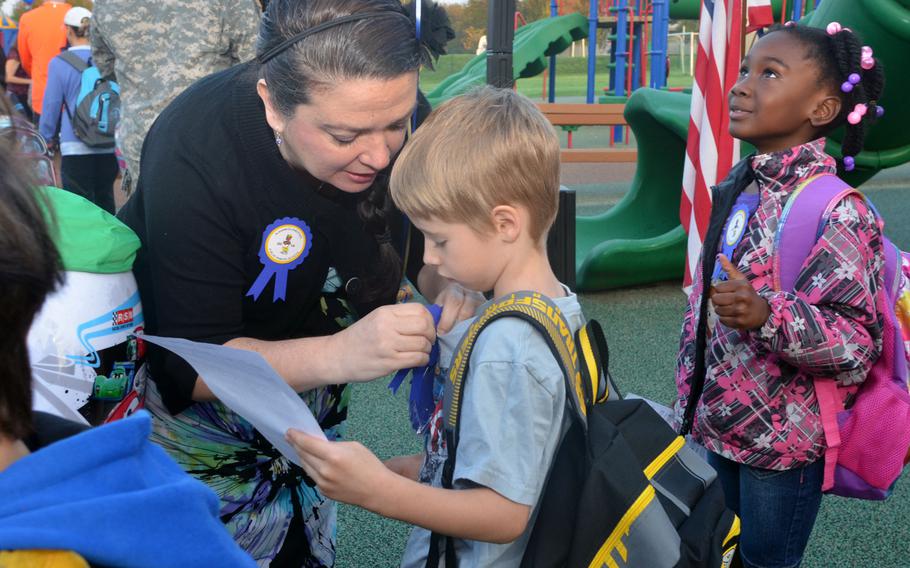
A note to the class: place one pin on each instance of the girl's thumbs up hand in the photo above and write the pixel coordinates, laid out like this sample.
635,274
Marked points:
736,302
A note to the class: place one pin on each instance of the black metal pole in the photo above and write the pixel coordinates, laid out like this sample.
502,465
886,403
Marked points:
500,34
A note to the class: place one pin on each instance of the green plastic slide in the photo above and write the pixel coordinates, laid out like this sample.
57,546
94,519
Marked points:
640,239
533,44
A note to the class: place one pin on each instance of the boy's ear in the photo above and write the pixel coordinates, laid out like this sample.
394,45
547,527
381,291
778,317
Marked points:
825,111
272,116
507,222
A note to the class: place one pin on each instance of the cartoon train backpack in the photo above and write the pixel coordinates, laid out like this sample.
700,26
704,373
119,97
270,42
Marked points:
867,426
624,489
97,109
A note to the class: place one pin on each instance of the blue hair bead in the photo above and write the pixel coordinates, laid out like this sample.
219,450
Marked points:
879,111
849,163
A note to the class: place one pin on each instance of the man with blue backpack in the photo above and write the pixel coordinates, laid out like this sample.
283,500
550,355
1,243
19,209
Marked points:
84,110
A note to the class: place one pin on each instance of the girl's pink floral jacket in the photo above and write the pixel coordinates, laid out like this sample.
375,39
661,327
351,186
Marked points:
759,406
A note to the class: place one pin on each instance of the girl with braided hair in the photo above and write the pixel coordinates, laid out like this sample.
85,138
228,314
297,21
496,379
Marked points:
749,351
266,225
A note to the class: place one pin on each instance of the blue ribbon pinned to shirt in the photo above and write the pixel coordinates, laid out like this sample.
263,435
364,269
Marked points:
421,403
735,229
286,242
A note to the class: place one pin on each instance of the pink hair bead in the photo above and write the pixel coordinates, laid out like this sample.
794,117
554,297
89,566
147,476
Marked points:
859,111
833,28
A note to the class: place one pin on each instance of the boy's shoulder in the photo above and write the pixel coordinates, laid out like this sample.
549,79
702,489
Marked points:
512,339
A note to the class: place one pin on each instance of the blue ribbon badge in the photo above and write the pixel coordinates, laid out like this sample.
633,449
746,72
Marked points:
420,401
735,229
285,243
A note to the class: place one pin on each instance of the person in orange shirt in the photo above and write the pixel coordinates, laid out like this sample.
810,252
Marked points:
41,38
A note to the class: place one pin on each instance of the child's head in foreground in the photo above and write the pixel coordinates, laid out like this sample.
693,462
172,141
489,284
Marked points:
798,83
480,179
29,271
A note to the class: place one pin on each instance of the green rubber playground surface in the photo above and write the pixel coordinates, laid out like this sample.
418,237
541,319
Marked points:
642,328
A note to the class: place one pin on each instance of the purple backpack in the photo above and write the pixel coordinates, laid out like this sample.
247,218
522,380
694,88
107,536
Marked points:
868,442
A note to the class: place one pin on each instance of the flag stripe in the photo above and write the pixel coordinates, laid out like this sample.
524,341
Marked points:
710,150
760,14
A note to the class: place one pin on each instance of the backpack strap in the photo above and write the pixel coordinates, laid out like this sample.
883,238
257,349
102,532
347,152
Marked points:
596,380
74,61
80,66
802,222
586,383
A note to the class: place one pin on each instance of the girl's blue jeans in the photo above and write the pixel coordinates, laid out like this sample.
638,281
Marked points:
777,509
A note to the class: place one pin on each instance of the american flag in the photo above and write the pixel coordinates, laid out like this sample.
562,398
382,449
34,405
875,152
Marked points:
710,150
759,14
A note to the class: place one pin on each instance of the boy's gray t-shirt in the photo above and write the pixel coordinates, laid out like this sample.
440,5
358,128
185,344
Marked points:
511,421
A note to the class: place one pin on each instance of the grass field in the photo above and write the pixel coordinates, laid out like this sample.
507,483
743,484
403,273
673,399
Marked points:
571,76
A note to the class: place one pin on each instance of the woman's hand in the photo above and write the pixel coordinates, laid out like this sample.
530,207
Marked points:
388,339
458,303
736,302
344,471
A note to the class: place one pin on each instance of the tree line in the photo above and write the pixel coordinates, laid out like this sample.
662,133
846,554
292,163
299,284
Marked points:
470,20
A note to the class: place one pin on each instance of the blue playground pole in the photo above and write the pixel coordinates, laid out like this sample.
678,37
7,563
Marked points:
592,49
797,10
638,31
551,91
659,41
622,36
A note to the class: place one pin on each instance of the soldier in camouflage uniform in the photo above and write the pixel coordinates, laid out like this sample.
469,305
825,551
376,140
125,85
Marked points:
157,49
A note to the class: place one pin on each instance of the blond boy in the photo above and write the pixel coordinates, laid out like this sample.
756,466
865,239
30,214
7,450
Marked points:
480,179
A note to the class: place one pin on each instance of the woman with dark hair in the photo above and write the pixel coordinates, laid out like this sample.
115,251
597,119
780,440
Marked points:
263,211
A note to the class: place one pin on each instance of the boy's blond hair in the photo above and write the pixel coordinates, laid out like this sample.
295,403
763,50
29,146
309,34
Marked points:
486,148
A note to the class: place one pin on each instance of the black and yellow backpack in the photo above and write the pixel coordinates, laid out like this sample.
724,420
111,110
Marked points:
624,490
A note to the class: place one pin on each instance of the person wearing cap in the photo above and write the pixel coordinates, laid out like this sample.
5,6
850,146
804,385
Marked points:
86,171
266,225
156,49
41,37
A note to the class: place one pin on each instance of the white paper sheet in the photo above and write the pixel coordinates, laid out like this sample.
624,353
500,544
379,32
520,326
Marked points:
248,385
